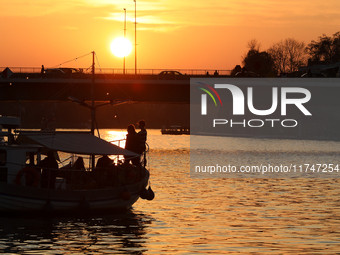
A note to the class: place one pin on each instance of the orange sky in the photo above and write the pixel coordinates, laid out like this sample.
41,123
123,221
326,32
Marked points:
171,34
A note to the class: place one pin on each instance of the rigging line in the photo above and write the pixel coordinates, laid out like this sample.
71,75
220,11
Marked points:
29,116
108,78
118,119
87,69
96,124
63,90
51,99
98,61
117,87
73,59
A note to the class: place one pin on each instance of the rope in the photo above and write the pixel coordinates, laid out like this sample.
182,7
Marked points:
73,59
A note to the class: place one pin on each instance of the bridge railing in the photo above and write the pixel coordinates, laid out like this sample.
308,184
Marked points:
126,71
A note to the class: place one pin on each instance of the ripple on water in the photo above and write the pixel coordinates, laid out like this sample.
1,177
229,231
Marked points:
202,216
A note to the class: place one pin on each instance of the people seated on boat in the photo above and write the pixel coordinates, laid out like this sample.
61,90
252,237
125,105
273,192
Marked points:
104,162
79,164
132,144
49,167
103,174
79,179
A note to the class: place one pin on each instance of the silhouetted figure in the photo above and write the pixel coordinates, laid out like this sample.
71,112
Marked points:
49,167
216,73
77,179
103,174
132,144
79,164
42,71
142,135
104,162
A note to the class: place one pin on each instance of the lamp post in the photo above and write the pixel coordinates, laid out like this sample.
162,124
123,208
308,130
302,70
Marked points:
135,37
124,38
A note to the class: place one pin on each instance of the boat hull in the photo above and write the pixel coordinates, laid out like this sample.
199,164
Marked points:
17,198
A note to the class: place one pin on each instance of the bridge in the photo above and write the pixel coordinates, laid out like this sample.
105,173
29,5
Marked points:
161,99
150,85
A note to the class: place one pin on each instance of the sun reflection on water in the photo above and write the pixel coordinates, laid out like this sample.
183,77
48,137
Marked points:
201,216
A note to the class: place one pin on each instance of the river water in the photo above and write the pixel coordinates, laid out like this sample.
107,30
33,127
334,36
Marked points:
200,216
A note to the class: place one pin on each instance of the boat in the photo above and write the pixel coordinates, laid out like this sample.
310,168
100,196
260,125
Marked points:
175,130
33,181
116,187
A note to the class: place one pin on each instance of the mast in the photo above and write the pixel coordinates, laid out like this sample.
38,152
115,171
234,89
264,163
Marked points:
93,110
92,96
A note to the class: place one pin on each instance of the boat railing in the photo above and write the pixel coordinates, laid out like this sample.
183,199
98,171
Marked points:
67,177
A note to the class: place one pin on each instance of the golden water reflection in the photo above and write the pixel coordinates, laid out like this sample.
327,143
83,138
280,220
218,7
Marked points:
229,216
199,216
116,233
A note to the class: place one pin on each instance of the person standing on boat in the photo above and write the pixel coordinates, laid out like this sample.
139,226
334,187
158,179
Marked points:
132,144
49,167
142,133
142,137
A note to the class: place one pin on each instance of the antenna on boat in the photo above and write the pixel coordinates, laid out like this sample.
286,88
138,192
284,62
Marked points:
92,106
93,116
92,95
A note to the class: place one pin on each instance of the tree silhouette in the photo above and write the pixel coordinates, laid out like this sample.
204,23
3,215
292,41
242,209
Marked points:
258,62
288,55
325,49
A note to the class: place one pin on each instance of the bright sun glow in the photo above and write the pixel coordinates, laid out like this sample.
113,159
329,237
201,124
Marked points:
121,47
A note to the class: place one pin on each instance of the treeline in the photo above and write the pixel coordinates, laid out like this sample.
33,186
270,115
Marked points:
286,56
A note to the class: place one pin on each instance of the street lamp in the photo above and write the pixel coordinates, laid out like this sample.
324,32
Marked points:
124,38
135,37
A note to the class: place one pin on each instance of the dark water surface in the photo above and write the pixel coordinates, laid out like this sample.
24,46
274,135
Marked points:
197,216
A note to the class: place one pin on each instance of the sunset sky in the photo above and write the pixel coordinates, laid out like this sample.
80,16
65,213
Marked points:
171,34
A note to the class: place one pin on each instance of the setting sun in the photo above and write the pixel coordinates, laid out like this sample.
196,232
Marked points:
121,47
170,34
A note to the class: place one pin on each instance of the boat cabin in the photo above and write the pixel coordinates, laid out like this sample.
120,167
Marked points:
13,157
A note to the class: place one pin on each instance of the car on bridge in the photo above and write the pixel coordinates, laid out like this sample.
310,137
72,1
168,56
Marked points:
170,75
63,72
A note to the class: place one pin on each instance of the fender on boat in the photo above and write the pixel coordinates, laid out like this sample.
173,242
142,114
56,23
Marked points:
151,194
144,193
